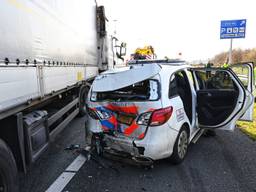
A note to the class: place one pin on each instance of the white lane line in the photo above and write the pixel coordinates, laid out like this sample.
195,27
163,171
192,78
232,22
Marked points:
60,183
76,164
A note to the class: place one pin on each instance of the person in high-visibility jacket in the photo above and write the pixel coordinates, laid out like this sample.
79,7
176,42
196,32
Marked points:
225,65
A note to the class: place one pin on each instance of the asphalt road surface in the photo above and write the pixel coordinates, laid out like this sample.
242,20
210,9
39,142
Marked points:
226,162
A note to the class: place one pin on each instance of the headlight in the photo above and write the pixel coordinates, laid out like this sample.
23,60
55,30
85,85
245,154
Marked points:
103,114
93,96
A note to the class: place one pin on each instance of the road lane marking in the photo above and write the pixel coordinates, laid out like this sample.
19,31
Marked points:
61,182
76,164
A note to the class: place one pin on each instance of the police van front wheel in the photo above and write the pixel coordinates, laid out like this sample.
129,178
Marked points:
82,101
180,147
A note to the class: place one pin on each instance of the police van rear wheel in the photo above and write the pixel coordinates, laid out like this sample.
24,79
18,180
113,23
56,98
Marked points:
180,147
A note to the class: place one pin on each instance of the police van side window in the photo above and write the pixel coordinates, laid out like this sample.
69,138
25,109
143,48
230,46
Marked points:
173,91
242,73
215,80
190,78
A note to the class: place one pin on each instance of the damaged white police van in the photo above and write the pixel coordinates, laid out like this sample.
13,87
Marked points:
154,109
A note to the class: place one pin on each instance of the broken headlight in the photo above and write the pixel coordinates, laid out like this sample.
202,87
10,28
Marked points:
92,113
93,96
103,114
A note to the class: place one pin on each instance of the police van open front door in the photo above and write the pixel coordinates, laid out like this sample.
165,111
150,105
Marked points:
221,98
245,73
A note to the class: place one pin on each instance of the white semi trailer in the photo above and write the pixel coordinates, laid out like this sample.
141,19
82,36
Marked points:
49,52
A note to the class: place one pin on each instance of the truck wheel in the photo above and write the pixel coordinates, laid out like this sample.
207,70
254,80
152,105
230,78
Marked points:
180,147
82,100
9,181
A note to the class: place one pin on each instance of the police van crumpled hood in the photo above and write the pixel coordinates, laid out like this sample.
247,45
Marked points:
110,81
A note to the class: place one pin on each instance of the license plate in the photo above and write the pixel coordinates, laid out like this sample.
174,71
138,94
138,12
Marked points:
125,119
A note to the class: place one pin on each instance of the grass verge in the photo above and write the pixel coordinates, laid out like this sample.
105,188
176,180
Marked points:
249,128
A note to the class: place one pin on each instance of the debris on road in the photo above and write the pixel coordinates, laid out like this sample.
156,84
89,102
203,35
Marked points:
88,153
73,147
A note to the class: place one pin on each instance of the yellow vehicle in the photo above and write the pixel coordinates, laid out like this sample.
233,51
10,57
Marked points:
146,52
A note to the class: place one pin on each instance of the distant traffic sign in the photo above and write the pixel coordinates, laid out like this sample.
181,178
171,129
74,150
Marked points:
230,29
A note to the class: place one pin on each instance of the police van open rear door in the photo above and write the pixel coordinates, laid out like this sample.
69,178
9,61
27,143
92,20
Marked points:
221,97
245,72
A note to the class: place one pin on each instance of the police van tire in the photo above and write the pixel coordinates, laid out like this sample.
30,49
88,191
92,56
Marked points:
9,181
180,147
82,100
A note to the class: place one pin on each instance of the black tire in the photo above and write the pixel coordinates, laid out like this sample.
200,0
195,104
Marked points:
82,100
96,143
9,181
180,147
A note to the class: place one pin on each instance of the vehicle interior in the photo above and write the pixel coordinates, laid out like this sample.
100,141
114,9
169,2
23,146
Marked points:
136,92
216,98
179,85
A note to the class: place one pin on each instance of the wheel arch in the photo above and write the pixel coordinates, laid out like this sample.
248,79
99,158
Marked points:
187,127
175,159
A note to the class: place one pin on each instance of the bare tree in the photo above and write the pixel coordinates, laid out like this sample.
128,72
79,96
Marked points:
238,56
